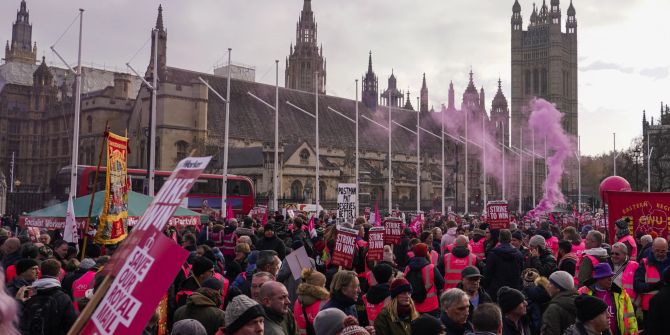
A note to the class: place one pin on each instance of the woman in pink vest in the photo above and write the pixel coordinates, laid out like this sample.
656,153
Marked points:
623,236
311,293
570,234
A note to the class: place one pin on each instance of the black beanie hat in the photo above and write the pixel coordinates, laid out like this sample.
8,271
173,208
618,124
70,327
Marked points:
382,272
427,324
201,265
24,265
509,298
588,307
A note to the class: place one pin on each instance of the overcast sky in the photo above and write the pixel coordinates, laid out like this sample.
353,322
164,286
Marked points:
624,62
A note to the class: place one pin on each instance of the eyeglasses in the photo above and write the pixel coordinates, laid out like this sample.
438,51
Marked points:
617,253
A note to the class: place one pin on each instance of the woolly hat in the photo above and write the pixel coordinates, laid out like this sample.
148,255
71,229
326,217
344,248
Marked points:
622,227
382,272
240,311
602,270
421,250
201,265
87,263
588,307
509,299
327,321
517,234
24,265
400,285
563,280
188,327
537,241
354,330
213,283
427,324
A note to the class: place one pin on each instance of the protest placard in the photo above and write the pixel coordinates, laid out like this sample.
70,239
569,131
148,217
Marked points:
345,245
144,265
297,261
392,230
376,244
497,215
346,202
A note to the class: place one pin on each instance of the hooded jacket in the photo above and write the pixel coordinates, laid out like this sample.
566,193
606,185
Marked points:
417,263
201,308
503,268
585,270
545,263
460,252
560,314
448,237
272,243
378,293
64,316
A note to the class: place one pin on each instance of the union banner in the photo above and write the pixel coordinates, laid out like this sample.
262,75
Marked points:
647,212
113,227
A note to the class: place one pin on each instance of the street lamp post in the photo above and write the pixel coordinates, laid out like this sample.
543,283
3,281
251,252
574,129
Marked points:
579,174
649,150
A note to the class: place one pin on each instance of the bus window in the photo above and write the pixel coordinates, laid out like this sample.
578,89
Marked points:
238,187
137,183
101,182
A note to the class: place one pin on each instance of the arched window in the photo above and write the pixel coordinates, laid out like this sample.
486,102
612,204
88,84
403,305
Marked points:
296,189
304,156
182,150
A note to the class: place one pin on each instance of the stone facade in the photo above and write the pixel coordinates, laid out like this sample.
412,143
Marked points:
305,65
656,135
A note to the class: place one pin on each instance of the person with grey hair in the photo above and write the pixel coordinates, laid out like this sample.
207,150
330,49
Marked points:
503,266
266,261
539,257
455,311
592,256
624,268
645,246
647,280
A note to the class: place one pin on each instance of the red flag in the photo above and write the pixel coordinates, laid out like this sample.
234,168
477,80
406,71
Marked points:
417,223
229,212
551,218
378,220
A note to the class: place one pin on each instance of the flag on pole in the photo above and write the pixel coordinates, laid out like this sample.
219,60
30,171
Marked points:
551,218
229,212
70,234
311,227
378,220
416,224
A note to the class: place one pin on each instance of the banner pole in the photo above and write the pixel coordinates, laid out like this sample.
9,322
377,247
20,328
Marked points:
95,189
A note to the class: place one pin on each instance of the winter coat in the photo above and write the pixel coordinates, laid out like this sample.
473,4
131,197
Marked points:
560,313
272,243
65,315
448,237
509,328
503,268
276,324
585,270
639,284
70,278
579,329
484,298
385,325
16,284
285,276
537,298
658,312
341,302
201,308
454,329
418,263
545,263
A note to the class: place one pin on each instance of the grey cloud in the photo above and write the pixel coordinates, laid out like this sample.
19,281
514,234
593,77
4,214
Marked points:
660,72
600,65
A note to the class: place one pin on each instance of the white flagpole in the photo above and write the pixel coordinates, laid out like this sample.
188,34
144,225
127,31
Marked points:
520,171
152,130
358,189
443,172
77,115
418,158
316,96
533,147
649,151
467,200
275,184
224,187
503,161
390,191
484,158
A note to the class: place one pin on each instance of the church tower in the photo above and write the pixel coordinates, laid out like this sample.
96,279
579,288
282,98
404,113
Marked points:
306,58
544,63
370,89
424,96
500,116
392,96
21,49
161,44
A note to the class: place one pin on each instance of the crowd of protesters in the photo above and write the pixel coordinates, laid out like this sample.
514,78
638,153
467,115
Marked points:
442,278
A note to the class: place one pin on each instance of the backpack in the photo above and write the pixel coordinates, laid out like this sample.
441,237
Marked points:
39,314
415,278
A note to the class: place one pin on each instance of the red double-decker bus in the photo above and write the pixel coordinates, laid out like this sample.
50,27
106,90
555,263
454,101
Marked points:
206,191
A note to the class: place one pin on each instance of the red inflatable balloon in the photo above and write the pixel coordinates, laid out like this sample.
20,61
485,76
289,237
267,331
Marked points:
613,183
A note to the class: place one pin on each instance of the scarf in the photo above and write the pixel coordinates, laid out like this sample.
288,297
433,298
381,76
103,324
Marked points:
343,299
46,283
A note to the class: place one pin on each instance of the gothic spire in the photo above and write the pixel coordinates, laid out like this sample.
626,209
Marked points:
370,62
159,18
423,85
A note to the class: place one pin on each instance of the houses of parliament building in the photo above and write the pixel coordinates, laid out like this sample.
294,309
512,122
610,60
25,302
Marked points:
37,108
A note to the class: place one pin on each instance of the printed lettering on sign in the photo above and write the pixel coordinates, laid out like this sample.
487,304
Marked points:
346,202
345,245
376,244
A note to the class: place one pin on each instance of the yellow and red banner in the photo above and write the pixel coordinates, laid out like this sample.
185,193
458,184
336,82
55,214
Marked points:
647,212
113,227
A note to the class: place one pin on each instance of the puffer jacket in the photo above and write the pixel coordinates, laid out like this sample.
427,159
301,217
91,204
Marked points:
560,313
201,308
503,268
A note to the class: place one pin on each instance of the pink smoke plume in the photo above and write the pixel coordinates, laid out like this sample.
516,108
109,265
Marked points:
546,119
